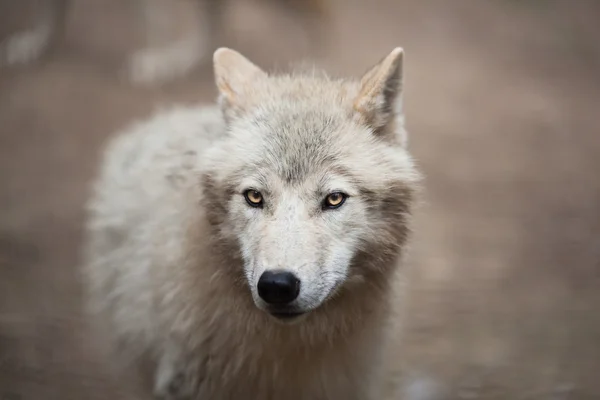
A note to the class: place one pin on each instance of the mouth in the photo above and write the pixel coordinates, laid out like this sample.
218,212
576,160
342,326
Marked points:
286,316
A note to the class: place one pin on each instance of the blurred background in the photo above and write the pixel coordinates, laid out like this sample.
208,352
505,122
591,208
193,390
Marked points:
502,100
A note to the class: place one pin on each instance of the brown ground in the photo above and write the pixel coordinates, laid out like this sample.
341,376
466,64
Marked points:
502,100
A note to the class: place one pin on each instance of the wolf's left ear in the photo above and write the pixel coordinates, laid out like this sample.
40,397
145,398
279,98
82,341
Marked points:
235,76
379,100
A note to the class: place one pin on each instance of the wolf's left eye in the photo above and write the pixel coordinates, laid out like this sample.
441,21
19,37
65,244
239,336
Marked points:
253,198
334,200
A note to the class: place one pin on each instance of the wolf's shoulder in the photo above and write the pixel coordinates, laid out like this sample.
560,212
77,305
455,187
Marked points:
163,140
154,161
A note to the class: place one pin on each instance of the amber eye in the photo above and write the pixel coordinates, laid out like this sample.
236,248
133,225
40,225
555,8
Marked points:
253,198
334,200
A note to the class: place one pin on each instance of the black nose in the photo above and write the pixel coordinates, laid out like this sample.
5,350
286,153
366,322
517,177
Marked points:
278,287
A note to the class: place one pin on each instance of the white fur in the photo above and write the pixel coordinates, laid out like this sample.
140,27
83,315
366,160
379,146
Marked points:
173,251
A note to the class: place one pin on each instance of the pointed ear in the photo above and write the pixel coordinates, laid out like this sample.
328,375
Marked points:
379,100
234,77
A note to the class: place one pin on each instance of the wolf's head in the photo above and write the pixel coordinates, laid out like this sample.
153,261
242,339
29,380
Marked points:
312,182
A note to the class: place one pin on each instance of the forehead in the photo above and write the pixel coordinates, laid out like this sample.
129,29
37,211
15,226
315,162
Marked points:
303,144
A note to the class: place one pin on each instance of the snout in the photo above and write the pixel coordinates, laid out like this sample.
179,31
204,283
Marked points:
279,289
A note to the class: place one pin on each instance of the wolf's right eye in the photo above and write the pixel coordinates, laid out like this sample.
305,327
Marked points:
253,198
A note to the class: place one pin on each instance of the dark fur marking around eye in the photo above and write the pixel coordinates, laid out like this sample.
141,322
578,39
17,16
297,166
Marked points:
394,201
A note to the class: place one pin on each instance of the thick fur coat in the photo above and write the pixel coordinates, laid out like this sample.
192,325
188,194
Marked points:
174,251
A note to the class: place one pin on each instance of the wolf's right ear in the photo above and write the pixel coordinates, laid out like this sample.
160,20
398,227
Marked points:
235,75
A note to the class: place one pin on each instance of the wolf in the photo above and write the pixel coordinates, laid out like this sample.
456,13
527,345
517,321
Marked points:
162,59
253,249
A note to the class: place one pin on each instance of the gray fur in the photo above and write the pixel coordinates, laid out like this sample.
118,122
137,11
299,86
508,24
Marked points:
174,252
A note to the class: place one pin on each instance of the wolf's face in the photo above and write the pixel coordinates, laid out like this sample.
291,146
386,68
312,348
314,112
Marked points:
306,185
297,238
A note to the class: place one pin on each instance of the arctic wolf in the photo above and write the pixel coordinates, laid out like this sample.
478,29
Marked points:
158,62
253,249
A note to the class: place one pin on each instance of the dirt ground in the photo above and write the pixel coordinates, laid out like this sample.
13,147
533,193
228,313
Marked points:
502,99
